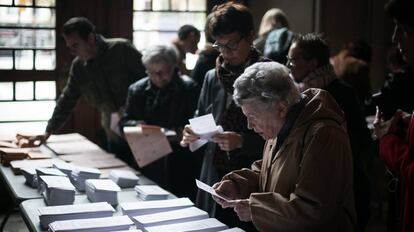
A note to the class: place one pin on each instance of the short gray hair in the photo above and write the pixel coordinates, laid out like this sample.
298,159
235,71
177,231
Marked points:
265,83
160,53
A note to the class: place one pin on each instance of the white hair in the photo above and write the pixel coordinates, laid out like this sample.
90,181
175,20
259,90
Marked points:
160,53
265,83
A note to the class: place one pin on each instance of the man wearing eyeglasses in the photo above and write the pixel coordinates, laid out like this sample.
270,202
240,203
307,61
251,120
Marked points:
231,25
308,62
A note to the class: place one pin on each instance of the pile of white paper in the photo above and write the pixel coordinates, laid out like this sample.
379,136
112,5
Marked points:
66,168
46,172
151,192
57,190
205,225
128,231
50,214
149,207
99,190
235,229
92,224
80,174
124,178
170,217
30,176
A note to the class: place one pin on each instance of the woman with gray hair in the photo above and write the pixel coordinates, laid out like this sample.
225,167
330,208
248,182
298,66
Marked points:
166,99
304,181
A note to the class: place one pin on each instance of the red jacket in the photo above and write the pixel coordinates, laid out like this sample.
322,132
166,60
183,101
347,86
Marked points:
398,153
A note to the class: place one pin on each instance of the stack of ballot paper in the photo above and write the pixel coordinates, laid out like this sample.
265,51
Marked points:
151,192
66,168
204,225
47,172
58,190
170,217
80,174
51,214
124,178
16,165
30,176
128,231
149,207
92,224
235,229
99,190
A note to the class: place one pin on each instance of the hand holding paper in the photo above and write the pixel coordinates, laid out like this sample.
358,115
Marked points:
209,189
205,127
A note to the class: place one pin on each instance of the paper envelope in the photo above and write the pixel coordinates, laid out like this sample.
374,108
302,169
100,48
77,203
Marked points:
147,143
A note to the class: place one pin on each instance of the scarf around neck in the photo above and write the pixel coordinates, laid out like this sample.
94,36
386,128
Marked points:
319,78
232,119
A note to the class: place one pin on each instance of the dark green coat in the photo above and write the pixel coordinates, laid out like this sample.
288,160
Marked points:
103,81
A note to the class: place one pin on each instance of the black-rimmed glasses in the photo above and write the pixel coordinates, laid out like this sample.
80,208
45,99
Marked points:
230,46
291,60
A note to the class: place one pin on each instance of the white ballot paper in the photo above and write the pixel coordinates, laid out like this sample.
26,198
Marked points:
147,143
206,128
204,225
235,229
209,189
92,224
151,192
149,207
170,217
51,214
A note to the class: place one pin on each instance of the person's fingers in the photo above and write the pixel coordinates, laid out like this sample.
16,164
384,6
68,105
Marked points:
183,144
378,117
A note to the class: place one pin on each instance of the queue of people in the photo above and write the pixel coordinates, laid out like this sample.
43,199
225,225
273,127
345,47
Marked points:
294,148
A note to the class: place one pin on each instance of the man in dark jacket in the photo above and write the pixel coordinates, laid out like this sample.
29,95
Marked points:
101,72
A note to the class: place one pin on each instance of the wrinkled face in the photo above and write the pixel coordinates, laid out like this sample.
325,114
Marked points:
84,50
404,37
299,66
234,48
160,73
264,121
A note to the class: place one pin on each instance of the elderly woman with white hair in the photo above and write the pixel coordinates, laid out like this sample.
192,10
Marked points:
304,181
166,99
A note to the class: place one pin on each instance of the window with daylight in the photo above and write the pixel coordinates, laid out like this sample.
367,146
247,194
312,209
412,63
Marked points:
157,22
27,60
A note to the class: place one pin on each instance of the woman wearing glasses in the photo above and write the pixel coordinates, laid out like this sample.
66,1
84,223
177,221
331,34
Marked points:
166,99
231,25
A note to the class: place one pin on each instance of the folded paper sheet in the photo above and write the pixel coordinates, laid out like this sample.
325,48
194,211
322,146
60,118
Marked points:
206,128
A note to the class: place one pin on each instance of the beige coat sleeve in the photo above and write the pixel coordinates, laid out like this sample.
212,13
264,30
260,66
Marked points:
247,180
323,187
